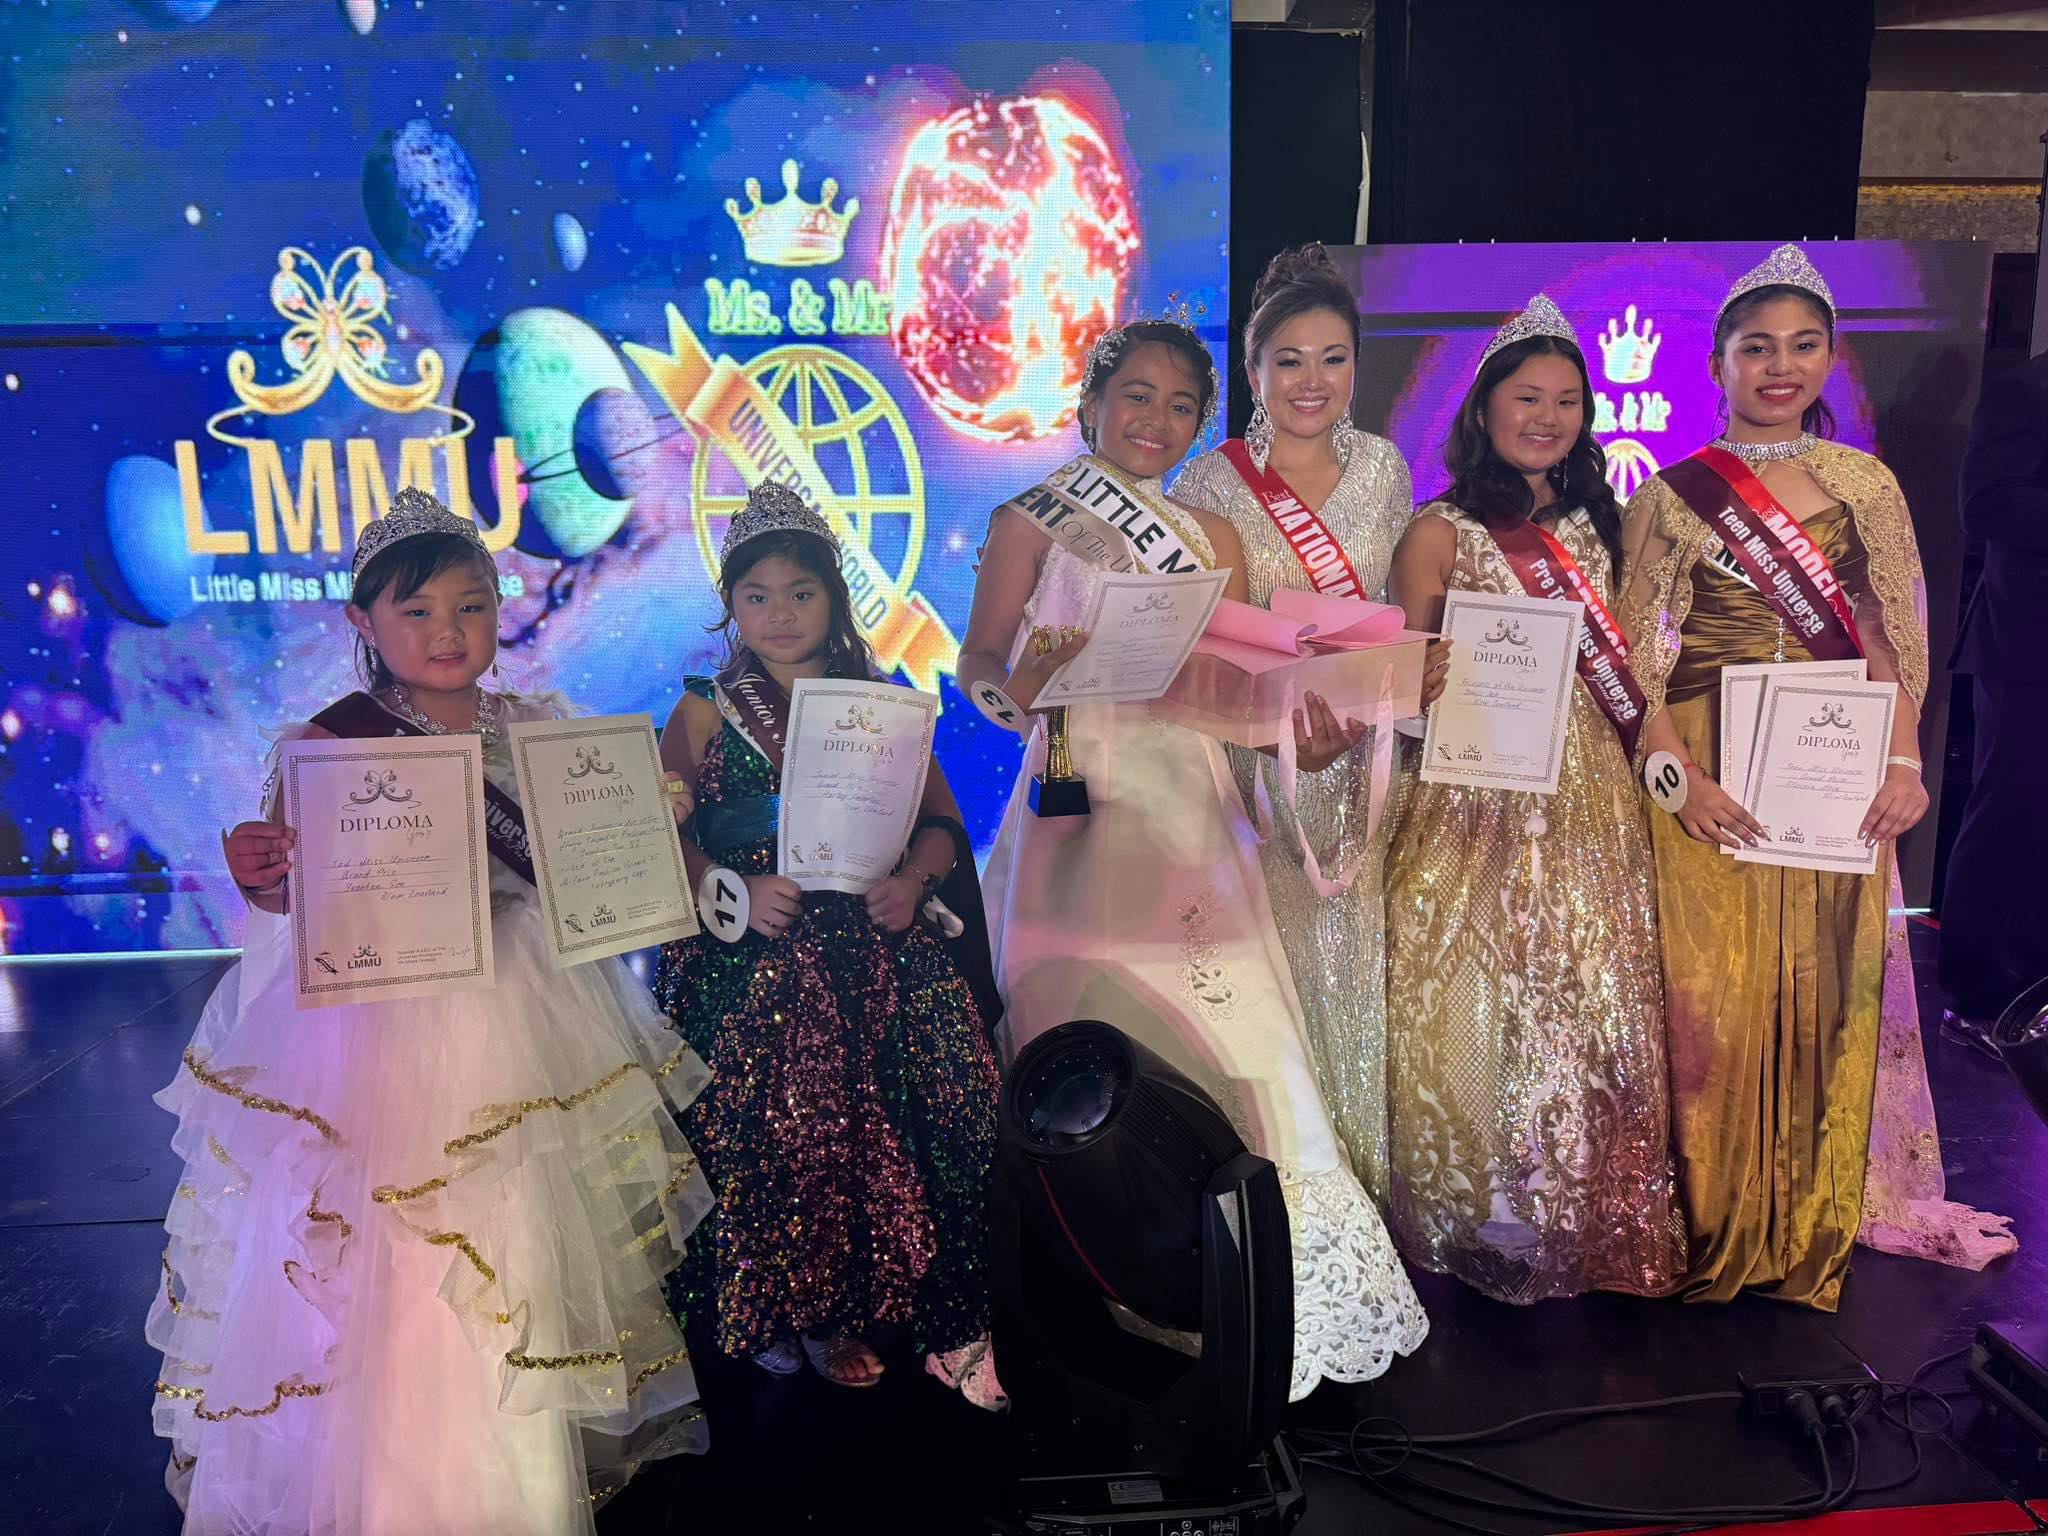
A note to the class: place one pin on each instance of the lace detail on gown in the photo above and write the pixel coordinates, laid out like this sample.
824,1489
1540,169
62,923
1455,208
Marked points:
1906,1209
1354,1309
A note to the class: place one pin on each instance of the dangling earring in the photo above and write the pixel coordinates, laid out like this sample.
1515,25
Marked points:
1343,435
371,651
1258,434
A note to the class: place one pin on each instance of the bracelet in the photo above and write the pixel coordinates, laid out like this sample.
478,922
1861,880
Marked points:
1903,762
264,890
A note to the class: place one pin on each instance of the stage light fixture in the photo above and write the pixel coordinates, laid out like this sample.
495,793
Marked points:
1142,1291
2021,1035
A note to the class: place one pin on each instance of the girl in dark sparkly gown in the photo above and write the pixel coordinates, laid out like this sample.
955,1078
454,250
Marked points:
850,1125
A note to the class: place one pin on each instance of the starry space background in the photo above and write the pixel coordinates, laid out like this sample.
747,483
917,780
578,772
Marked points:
496,158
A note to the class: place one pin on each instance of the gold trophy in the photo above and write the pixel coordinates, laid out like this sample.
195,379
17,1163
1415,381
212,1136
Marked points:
1059,791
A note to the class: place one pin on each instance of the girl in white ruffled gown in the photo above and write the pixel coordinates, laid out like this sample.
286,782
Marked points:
413,1278
1150,912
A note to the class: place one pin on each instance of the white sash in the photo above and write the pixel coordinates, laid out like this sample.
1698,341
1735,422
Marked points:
1101,519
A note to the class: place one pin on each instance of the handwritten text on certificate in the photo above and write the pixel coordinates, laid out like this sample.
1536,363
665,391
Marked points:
606,860
852,779
1501,721
1140,631
389,885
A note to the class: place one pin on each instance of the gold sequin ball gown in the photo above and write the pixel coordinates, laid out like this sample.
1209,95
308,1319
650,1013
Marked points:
1150,913
413,1271
1775,979
1336,947
1530,1122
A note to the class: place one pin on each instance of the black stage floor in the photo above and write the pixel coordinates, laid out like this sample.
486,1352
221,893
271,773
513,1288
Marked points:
86,1173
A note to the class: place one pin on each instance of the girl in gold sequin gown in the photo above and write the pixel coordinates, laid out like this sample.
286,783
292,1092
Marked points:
1300,348
1530,1122
1774,977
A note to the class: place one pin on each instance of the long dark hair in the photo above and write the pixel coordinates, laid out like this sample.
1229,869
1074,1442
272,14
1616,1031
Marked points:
1109,355
1817,418
1484,486
401,571
1298,281
846,651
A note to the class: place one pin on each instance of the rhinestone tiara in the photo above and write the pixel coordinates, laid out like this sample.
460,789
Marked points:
1103,355
1539,318
414,513
1787,265
773,507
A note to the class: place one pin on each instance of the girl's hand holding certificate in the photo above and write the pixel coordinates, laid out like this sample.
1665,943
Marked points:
259,855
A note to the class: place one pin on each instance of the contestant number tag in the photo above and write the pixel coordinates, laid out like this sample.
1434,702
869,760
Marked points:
723,904
998,706
1664,776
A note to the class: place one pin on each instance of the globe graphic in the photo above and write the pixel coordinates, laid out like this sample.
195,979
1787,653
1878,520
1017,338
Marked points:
860,442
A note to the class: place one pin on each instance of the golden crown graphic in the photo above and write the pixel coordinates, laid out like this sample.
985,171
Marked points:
793,233
1627,353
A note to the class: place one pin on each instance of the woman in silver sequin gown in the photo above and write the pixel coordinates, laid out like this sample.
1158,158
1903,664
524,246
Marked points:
1300,351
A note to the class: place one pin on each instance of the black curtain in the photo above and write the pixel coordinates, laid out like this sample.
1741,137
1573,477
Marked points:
1297,120
1617,120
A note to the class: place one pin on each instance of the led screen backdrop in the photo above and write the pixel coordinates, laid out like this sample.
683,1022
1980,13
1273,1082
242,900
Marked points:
1911,350
586,272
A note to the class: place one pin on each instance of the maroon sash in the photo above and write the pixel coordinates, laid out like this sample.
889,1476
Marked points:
1322,557
1773,551
359,716
1546,568
754,704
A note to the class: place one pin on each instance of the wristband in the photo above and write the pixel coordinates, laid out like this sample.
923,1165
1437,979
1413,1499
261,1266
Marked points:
1903,762
723,903
1664,777
998,707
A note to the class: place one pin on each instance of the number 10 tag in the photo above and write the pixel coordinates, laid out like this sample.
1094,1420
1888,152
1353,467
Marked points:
1664,777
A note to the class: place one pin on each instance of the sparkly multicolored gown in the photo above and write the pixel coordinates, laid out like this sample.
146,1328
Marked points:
1531,1112
850,1126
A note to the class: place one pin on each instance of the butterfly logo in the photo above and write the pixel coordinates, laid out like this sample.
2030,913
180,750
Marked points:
588,762
381,786
1831,715
1508,632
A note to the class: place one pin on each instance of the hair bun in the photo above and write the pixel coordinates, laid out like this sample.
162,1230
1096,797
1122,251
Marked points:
1296,264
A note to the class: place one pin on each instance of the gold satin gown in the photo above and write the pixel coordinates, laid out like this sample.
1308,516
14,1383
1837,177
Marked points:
1530,1128
1774,980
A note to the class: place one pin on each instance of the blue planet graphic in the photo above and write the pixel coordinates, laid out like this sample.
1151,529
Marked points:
183,13
420,193
137,556
530,379
572,245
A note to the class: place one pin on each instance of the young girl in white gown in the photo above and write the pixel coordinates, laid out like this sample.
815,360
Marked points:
413,1275
1150,912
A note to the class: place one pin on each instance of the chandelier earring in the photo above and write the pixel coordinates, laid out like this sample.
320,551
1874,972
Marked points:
1343,435
370,651
1258,434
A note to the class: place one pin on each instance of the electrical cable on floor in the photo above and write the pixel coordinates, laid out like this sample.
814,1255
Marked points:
1390,1459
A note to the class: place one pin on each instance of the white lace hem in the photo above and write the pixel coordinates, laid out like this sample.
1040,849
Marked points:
1354,1305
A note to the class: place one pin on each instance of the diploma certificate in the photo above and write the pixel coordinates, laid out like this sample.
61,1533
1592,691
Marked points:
1501,721
1819,759
1140,630
1742,708
852,780
606,859
389,885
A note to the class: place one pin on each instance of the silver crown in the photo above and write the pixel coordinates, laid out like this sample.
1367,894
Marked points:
413,514
1539,318
1786,265
773,507
1108,348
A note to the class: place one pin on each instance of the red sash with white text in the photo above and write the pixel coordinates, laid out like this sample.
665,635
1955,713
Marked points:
1546,569
1322,557
360,717
1785,566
